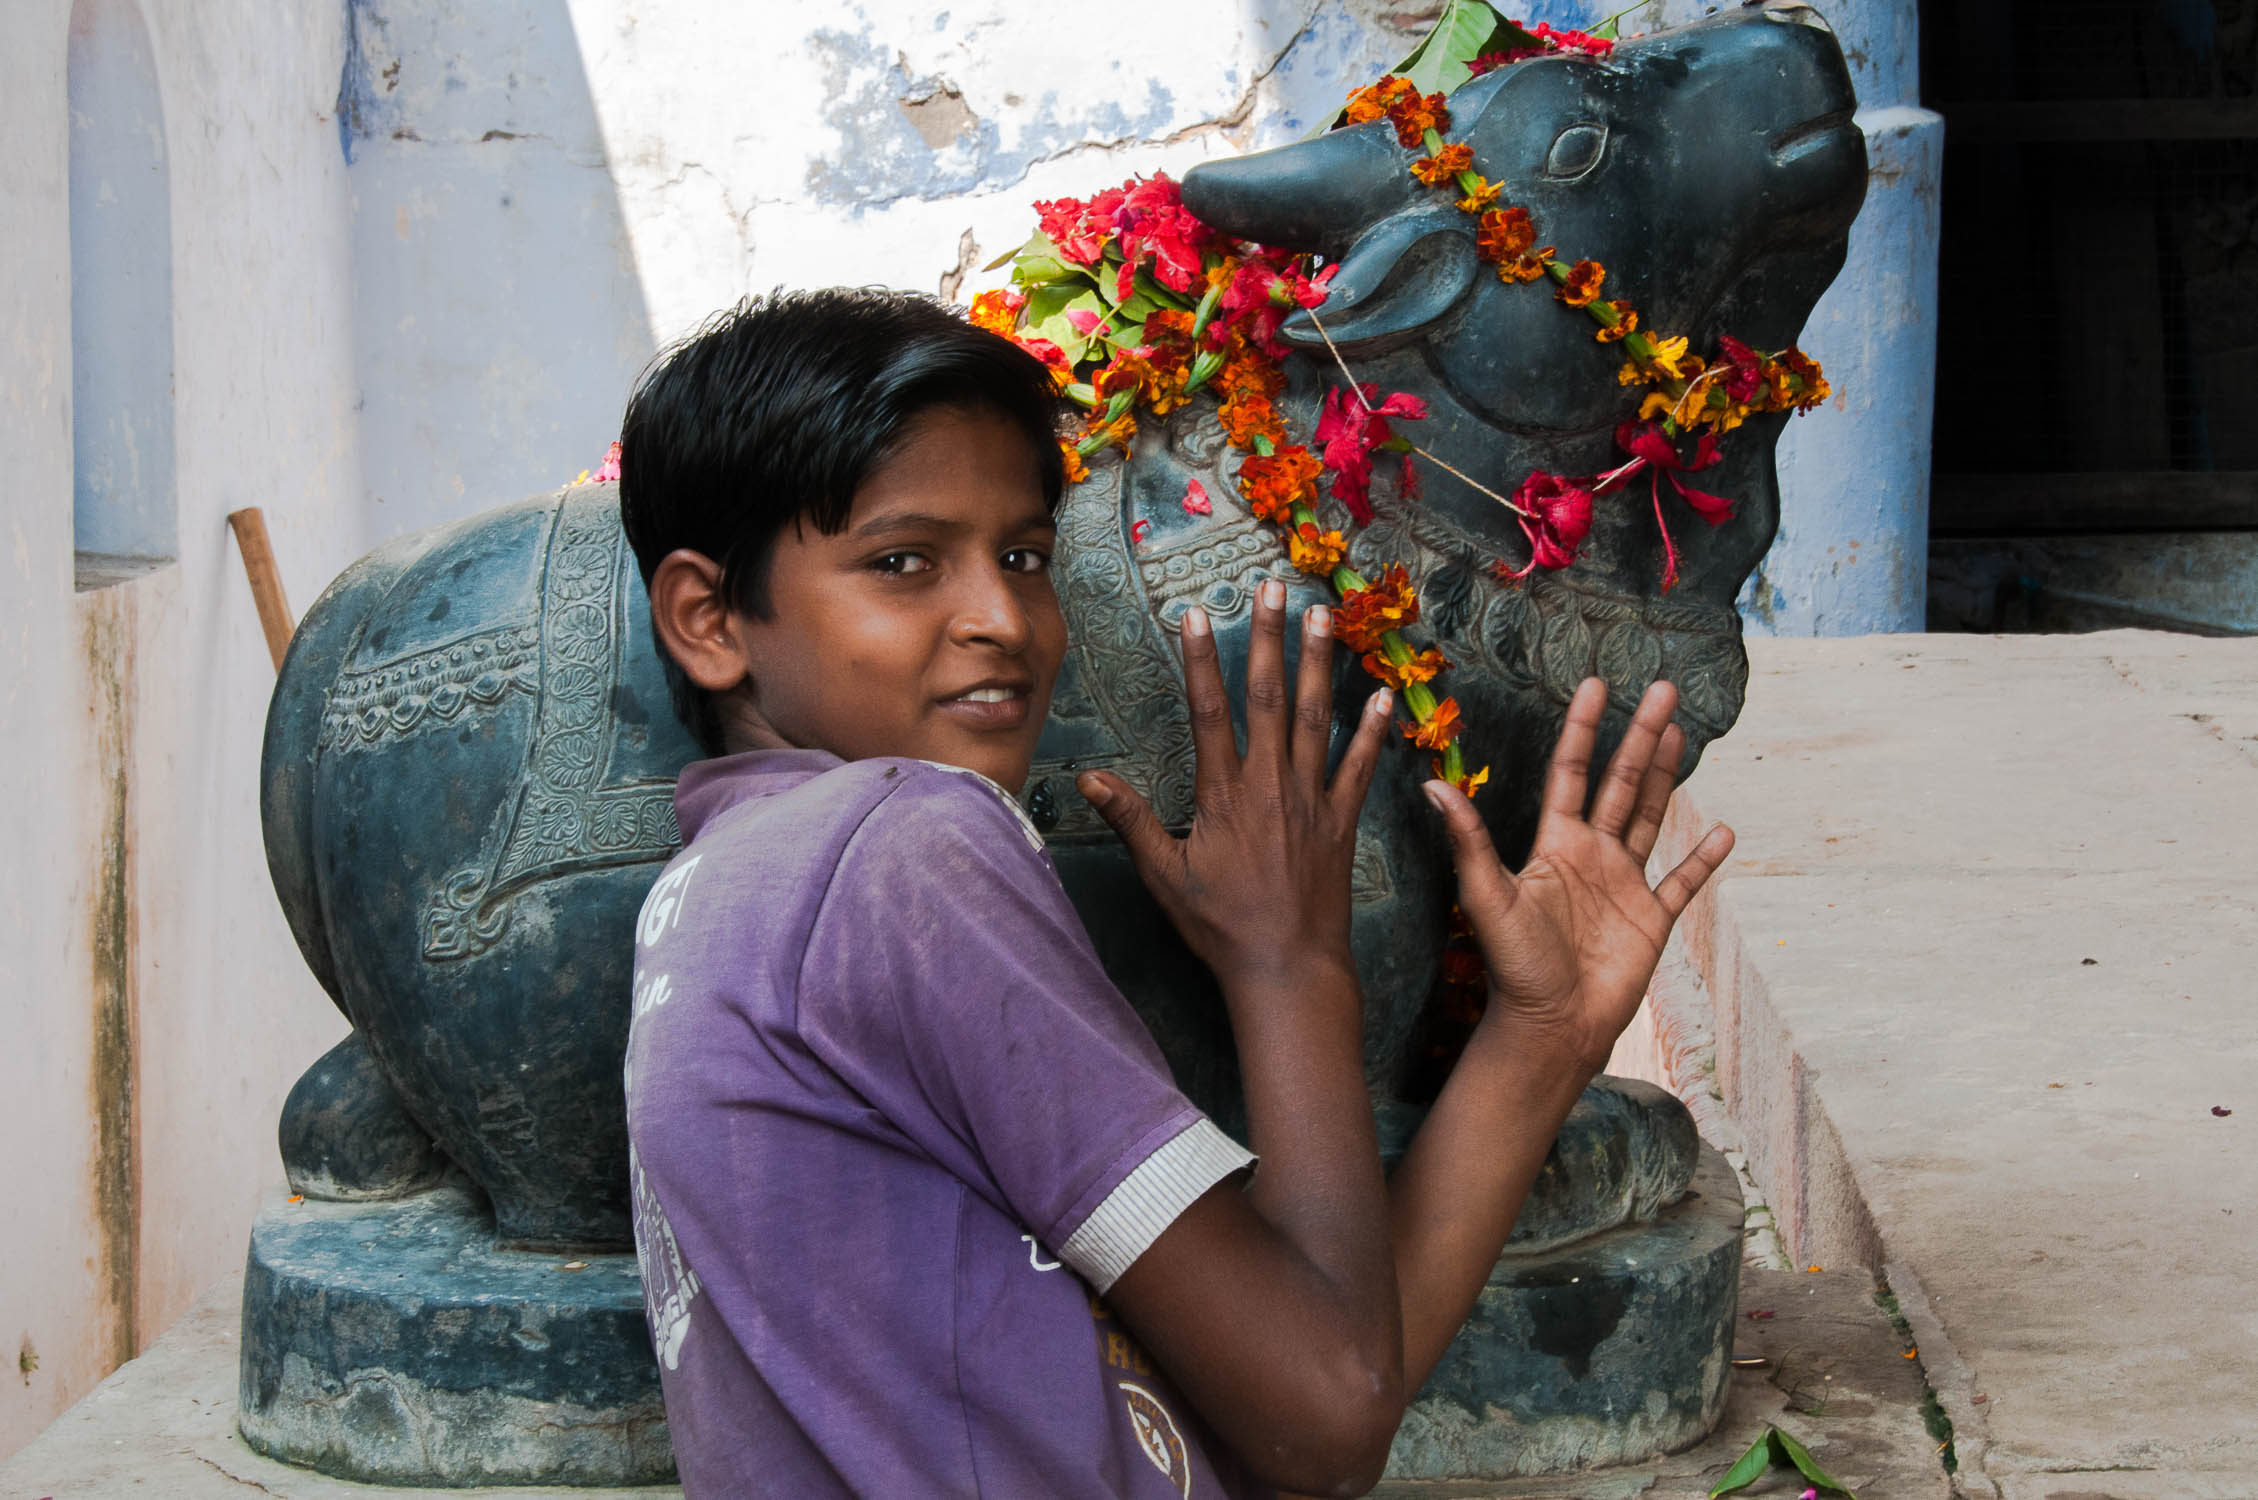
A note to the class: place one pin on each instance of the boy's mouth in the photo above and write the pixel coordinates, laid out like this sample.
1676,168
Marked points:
991,705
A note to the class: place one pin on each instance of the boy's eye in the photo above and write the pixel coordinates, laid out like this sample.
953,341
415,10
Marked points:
1027,560
902,562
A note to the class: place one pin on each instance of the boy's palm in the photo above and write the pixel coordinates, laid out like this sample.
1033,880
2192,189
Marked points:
1572,940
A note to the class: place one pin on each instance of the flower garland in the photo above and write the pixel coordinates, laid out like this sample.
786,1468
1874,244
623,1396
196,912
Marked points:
1134,303
1685,394
1137,305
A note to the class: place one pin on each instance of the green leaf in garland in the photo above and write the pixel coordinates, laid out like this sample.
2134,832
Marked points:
1038,262
1046,315
1462,33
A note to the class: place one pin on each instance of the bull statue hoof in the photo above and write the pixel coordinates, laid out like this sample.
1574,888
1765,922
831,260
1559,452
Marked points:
469,767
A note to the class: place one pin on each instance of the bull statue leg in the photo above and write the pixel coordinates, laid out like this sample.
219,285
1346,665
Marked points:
347,1137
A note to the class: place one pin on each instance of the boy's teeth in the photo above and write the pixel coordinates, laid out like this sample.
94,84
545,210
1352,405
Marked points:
987,695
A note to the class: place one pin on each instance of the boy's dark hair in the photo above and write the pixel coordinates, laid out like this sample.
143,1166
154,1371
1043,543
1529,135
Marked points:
776,411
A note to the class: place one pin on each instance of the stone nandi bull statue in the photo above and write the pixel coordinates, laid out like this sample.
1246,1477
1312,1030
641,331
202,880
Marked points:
469,768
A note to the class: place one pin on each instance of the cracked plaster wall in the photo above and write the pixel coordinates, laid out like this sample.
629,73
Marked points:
547,191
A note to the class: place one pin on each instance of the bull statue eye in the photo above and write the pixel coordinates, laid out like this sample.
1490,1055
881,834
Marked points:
1576,151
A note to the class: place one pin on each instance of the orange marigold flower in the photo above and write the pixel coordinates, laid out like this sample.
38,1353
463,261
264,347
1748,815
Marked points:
1585,278
1482,199
1117,433
1656,404
1076,469
1810,381
997,311
1504,234
1669,362
1272,485
1528,268
1444,165
1423,667
1373,101
1439,729
1470,783
1414,114
1367,614
1248,417
1626,322
1314,551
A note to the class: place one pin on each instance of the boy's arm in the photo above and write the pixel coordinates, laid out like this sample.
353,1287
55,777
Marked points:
1298,1315
1274,1308
1569,944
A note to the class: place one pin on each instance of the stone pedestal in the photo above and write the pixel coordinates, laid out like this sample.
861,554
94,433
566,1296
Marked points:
392,1343
1613,1350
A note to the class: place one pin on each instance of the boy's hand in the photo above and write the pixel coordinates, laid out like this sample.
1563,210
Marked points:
1260,887
1573,939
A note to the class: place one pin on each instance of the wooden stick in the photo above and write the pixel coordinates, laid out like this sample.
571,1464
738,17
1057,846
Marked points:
250,528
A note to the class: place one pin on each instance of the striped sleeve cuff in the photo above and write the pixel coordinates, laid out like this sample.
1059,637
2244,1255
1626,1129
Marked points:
1148,1200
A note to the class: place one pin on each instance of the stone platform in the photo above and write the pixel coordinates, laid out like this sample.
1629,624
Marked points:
1978,991
1836,1375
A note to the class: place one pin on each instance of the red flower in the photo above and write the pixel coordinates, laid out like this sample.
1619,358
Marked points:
1348,430
1265,289
1746,366
1196,501
1152,220
1574,41
1559,517
1079,229
1651,449
607,472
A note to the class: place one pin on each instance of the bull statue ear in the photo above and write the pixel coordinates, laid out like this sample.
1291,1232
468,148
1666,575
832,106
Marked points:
1402,277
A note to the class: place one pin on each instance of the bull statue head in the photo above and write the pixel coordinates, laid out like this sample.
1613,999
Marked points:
1714,169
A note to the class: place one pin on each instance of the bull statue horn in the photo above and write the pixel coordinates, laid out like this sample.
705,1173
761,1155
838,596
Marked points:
1316,194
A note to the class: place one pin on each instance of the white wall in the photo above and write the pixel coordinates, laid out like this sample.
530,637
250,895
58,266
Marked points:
131,1173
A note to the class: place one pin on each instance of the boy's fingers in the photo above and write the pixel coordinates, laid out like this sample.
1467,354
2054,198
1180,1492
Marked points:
1680,885
1313,698
1486,890
1626,771
1266,677
1354,777
1566,781
1152,848
1654,794
1215,754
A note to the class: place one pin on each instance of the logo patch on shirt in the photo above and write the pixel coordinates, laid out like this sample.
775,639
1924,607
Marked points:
670,1287
1157,1435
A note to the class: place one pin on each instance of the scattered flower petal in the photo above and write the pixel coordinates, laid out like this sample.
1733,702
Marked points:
1196,501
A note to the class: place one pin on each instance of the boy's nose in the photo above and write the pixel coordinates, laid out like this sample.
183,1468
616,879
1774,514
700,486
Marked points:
990,613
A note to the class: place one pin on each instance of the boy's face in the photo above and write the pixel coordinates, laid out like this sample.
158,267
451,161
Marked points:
928,626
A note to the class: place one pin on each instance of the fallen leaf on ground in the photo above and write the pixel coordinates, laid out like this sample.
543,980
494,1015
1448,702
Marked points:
2221,1111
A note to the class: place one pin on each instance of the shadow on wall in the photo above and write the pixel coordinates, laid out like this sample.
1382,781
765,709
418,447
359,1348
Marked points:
498,319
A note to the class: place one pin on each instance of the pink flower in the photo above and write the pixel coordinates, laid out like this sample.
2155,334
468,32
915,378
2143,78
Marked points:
1087,323
1348,430
1196,501
607,472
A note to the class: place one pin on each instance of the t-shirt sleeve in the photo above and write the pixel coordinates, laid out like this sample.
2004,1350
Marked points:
948,981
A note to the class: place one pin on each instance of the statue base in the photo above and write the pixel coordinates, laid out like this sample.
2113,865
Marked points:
392,1343
1612,1350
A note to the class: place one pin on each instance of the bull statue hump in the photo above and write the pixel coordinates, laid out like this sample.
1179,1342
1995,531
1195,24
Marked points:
469,764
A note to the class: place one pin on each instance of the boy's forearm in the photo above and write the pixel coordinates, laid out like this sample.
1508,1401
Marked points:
1300,1044
1456,1193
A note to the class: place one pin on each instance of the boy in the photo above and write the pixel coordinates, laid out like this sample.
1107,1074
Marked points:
920,1210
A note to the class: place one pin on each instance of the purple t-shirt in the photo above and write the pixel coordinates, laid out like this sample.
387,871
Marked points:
893,1132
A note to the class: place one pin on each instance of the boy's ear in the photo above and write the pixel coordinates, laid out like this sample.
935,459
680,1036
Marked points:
691,615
